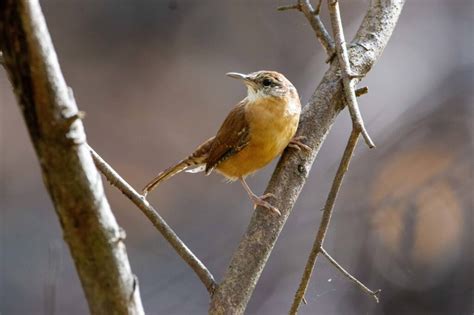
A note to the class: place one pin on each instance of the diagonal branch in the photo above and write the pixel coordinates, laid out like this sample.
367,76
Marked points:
75,186
160,224
326,218
240,279
348,76
315,21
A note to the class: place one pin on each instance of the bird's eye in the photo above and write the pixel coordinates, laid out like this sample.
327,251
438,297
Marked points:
267,82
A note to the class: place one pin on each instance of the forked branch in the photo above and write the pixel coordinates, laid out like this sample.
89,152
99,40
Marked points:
348,77
346,273
324,225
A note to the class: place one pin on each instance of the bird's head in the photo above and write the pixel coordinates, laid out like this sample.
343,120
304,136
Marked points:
264,84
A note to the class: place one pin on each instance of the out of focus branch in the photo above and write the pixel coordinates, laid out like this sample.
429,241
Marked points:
69,174
160,224
314,20
248,261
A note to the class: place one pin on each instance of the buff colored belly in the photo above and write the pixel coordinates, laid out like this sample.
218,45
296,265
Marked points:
270,132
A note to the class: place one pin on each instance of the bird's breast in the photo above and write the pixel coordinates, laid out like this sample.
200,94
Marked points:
271,125
274,121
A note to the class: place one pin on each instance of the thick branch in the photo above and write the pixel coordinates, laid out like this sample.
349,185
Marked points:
160,224
233,293
324,224
90,229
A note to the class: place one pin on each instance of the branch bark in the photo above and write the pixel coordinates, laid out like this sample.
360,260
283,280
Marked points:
50,112
248,261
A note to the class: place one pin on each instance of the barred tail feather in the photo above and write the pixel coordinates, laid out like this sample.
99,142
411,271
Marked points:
166,174
198,159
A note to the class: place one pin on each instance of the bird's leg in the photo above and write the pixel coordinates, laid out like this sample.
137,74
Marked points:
296,143
259,201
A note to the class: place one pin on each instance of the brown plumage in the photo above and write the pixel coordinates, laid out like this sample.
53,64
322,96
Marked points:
255,132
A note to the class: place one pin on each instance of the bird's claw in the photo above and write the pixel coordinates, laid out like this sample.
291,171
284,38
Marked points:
296,143
267,195
260,201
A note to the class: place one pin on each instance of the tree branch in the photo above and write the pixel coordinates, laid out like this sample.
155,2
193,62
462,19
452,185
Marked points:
160,224
233,293
348,77
75,187
364,288
315,21
358,127
326,218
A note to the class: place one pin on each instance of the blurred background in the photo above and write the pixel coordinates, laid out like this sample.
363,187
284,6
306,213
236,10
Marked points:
150,76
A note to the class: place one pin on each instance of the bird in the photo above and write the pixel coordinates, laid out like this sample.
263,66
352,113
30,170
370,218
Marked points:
256,131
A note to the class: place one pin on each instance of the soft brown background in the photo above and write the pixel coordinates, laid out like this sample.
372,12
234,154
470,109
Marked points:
150,75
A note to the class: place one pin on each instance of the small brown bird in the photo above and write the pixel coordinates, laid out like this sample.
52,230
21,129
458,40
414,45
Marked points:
256,131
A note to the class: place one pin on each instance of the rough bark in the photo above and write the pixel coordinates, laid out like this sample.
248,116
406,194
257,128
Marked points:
50,112
247,263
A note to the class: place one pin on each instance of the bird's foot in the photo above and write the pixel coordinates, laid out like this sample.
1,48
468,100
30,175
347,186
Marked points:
296,143
267,195
260,201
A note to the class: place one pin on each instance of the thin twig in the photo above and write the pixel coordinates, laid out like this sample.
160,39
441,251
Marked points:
315,21
160,224
347,75
374,294
323,226
289,7
318,7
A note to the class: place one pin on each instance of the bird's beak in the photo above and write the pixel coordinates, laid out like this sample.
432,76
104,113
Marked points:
248,79
237,75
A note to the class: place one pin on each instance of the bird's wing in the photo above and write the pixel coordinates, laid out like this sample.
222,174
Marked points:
232,137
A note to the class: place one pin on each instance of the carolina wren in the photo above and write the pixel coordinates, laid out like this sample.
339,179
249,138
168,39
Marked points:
256,131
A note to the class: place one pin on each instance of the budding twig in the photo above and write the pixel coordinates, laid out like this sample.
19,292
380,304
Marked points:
160,224
347,75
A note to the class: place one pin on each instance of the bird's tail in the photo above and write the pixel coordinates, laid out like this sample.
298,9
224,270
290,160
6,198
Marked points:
198,158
